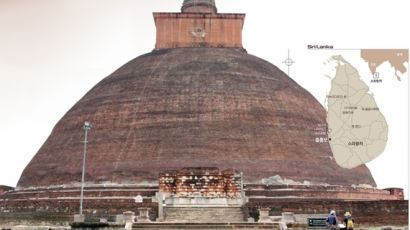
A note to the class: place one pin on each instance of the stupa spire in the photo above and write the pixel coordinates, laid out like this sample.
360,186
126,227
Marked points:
199,6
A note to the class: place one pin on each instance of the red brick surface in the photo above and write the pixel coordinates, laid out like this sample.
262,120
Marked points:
191,107
175,30
207,182
323,192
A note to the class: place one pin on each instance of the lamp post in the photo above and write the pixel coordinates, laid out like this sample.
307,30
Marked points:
242,192
87,126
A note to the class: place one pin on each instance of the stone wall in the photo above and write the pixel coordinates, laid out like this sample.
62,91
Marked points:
57,206
367,213
62,211
60,204
323,192
373,213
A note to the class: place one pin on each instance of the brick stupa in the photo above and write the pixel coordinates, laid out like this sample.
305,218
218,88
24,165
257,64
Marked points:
198,100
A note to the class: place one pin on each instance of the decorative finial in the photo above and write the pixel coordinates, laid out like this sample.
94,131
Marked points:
199,6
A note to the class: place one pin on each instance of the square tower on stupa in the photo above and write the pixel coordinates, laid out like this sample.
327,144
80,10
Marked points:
198,25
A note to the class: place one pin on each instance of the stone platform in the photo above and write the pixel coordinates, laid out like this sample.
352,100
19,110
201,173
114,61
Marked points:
189,226
56,206
202,226
201,215
208,226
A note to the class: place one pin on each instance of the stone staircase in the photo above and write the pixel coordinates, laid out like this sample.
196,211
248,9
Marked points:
203,215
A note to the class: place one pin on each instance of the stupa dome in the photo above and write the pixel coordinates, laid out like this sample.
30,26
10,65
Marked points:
192,107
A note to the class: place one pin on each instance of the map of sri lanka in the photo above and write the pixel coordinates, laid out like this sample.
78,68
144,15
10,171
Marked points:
358,131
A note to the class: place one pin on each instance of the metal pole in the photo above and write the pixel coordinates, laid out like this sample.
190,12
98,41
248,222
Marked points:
242,193
87,126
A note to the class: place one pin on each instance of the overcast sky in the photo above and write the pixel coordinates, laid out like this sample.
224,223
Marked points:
53,51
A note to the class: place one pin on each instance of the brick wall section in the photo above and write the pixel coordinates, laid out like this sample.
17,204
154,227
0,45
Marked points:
176,30
74,193
55,211
4,189
376,213
277,191
396,192
324,192
253,191
209,182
